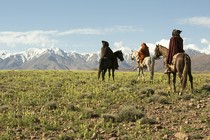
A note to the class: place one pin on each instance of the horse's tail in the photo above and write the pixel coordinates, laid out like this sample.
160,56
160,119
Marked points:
185,70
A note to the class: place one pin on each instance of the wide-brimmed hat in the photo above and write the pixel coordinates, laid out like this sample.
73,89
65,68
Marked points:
105,43
176,32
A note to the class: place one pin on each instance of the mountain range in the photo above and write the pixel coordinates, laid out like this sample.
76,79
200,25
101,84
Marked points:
58,59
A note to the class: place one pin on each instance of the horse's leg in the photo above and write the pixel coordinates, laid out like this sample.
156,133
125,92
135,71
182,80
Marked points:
151,74
174,81
150,69
103,74
109,73
142,73
99,73
139,71
152,65
191,81
113,73
183,81
190,77
186,70
180,77
169,80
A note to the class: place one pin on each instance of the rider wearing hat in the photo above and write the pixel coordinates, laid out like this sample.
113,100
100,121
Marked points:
175,46
107,52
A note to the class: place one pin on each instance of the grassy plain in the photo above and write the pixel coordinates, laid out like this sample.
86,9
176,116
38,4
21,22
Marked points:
67,105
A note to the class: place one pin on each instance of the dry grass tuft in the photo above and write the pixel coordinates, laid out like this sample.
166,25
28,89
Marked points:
51,105
129,113
109,117
206,87
4,108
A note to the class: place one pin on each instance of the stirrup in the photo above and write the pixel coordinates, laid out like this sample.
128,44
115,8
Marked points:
166,71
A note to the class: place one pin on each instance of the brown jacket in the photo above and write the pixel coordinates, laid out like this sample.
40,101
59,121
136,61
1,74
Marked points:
143,52
175,46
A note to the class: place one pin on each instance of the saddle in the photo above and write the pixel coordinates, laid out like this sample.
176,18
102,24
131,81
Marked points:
171,67
143,64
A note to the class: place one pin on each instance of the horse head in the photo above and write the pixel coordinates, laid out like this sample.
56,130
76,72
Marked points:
132,55
157,52
119,55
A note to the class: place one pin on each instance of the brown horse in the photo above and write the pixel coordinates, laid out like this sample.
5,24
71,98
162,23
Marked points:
182,66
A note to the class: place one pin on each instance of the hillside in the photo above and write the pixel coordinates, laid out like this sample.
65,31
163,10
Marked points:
67,105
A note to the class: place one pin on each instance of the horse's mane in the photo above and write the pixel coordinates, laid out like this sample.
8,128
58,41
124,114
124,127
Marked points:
162,46
116,52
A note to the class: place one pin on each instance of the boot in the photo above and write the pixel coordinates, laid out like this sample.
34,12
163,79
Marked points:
167,70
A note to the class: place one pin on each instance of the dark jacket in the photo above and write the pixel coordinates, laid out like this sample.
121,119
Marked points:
143,52
175,46
107,52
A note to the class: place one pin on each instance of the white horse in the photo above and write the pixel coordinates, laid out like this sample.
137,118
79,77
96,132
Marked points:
148,63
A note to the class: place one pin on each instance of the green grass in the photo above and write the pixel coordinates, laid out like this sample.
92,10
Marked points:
76,105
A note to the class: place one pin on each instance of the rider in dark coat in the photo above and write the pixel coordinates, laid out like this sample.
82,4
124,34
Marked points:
107,52
175,46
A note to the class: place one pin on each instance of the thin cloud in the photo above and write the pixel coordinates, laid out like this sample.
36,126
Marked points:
51,38
99,31
121,29
201,21
37,38
84,31
204,41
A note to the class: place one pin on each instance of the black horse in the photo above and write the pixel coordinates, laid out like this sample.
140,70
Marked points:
107,63
182,66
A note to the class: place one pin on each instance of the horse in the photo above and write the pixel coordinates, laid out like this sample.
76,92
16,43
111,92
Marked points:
182,66
107,63
148,63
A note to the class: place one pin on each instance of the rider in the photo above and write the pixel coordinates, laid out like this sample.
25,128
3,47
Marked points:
143,52
107,52
175,46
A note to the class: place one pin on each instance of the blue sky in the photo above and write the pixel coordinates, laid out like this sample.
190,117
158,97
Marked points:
80,25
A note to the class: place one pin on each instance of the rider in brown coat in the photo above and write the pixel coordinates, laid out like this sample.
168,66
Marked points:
143,52
107,52
175,46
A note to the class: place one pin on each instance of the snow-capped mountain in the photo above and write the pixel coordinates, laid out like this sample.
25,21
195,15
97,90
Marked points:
51,58
55,58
